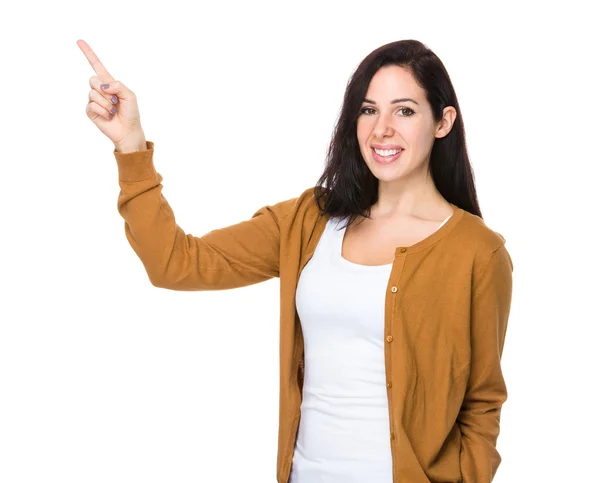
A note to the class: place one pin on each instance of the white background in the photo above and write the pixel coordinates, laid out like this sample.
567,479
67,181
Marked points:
105,378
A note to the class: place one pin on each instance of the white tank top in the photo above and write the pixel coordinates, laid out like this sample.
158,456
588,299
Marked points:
344,433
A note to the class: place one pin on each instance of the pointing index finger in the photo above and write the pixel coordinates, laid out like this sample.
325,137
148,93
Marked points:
94,61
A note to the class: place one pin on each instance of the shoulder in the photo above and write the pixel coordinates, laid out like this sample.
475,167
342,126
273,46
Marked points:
308,198
302,204
305,203
474,227
481,241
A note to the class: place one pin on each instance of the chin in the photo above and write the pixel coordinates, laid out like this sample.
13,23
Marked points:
388,174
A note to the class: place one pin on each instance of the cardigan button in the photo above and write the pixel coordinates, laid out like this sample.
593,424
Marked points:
394,289
402,250
392,436
389,384
389,338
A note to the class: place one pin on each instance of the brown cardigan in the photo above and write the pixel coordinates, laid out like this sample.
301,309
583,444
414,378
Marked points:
446,313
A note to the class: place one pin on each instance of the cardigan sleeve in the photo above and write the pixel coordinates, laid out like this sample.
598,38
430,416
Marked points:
234,256
479,416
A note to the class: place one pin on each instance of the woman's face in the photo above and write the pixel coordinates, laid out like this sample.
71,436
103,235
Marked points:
406,124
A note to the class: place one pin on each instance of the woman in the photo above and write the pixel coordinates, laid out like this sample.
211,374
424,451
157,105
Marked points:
395,295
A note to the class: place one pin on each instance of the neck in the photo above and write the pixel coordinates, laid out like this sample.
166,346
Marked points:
402,198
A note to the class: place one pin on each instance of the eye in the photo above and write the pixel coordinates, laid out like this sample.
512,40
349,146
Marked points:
364,109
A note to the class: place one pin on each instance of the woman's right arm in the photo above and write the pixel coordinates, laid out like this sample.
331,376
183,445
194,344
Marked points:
234,256
230,257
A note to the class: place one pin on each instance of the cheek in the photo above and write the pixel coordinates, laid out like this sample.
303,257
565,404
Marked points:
419,134
363,131
360,128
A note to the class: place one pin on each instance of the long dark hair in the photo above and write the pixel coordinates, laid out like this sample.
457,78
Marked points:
351,189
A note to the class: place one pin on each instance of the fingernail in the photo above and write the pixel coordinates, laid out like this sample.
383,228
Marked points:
113,99
104,86
110,116
113,110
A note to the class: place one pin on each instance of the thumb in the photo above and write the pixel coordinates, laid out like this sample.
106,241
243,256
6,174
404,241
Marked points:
117,88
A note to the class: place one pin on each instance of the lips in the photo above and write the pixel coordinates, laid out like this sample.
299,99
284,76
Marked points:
386,159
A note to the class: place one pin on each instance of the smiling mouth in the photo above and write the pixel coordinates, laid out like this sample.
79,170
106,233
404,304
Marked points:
386,159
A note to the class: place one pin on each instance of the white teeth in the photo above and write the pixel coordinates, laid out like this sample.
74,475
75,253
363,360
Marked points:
387,152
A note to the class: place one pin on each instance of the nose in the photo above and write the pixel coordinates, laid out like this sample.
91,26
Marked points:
382,128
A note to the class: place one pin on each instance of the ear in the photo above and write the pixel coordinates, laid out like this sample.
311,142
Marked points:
446,123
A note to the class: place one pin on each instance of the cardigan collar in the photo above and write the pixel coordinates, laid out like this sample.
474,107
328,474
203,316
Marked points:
436,236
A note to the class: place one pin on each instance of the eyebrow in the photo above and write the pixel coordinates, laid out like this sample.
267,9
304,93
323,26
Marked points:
395,101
